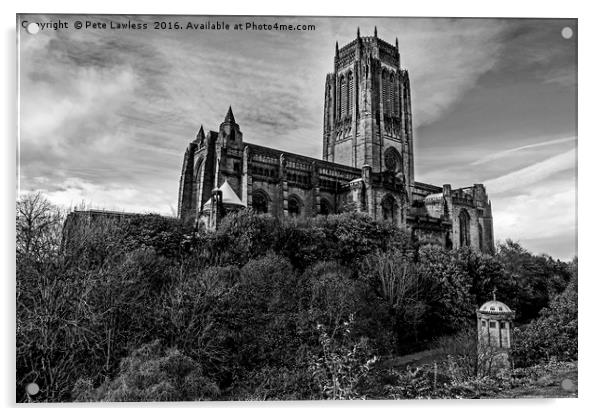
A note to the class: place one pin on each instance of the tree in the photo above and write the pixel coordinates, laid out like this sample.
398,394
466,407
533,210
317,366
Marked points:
553,334
39,225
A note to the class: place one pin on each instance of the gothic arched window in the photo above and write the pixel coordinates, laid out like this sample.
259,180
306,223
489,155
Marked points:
343,108
464,228
480,237
350,97
260,203
391,93
389,206
396,99
385,91
294,206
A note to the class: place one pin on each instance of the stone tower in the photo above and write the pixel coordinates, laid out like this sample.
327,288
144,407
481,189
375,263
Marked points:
367,109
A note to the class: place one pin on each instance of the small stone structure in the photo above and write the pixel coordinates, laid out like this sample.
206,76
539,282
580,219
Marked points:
494,328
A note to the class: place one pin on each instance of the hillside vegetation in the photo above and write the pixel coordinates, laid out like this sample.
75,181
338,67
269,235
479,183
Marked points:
145,309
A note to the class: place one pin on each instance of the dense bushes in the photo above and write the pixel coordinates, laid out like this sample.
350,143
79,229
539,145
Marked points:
552,334
151,374
260,309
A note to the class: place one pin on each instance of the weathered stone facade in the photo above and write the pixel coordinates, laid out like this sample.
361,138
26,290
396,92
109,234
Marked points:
368,161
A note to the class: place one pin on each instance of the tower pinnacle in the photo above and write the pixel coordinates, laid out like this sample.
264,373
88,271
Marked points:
201,134
375,32
229,116
358,32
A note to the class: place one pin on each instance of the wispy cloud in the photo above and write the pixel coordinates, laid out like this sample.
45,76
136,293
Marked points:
543,216
510,152
534,173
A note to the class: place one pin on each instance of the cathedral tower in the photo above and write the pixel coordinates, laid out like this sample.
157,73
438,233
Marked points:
367,110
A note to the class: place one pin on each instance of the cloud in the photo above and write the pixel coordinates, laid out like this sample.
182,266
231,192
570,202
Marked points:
106,115
534,173
444,68
510,152
74,192
544,217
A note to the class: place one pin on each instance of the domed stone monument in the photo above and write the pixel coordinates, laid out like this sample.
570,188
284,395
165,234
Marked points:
494,329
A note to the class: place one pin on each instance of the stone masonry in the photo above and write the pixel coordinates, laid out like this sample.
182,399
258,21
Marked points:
367,161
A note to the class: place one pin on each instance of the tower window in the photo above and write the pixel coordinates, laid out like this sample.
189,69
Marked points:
464,220
492,324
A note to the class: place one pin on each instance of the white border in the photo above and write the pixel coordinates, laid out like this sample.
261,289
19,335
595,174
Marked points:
588,209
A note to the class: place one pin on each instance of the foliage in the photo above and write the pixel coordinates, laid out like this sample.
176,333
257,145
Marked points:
452,304
552,335
133,306
529,281
151,373
394,279
341,365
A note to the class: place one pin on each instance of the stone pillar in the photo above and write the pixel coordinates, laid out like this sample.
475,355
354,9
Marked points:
315,190
283,185
246,179
216,211
366,176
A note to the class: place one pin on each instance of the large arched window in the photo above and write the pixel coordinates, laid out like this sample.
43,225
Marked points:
464,228
390,208
343,97
260,202
391,93
385,91
480,237
396,98
350,97
294,206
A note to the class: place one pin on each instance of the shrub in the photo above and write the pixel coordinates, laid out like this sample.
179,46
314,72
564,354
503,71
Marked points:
152,373
553,334
342,363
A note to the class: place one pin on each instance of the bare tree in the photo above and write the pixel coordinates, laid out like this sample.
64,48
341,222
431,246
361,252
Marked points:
400,285
39,225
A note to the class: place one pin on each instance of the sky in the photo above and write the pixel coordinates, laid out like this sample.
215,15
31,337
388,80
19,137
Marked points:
105,115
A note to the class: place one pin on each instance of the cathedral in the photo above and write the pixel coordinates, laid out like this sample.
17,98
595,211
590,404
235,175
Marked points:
367,162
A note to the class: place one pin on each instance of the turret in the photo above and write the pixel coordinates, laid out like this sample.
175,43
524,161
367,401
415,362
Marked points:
229,131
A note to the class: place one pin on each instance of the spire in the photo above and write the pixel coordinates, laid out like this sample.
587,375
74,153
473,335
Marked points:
493,291
396,43
358,32
375,32
229,117
336,51
201,134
